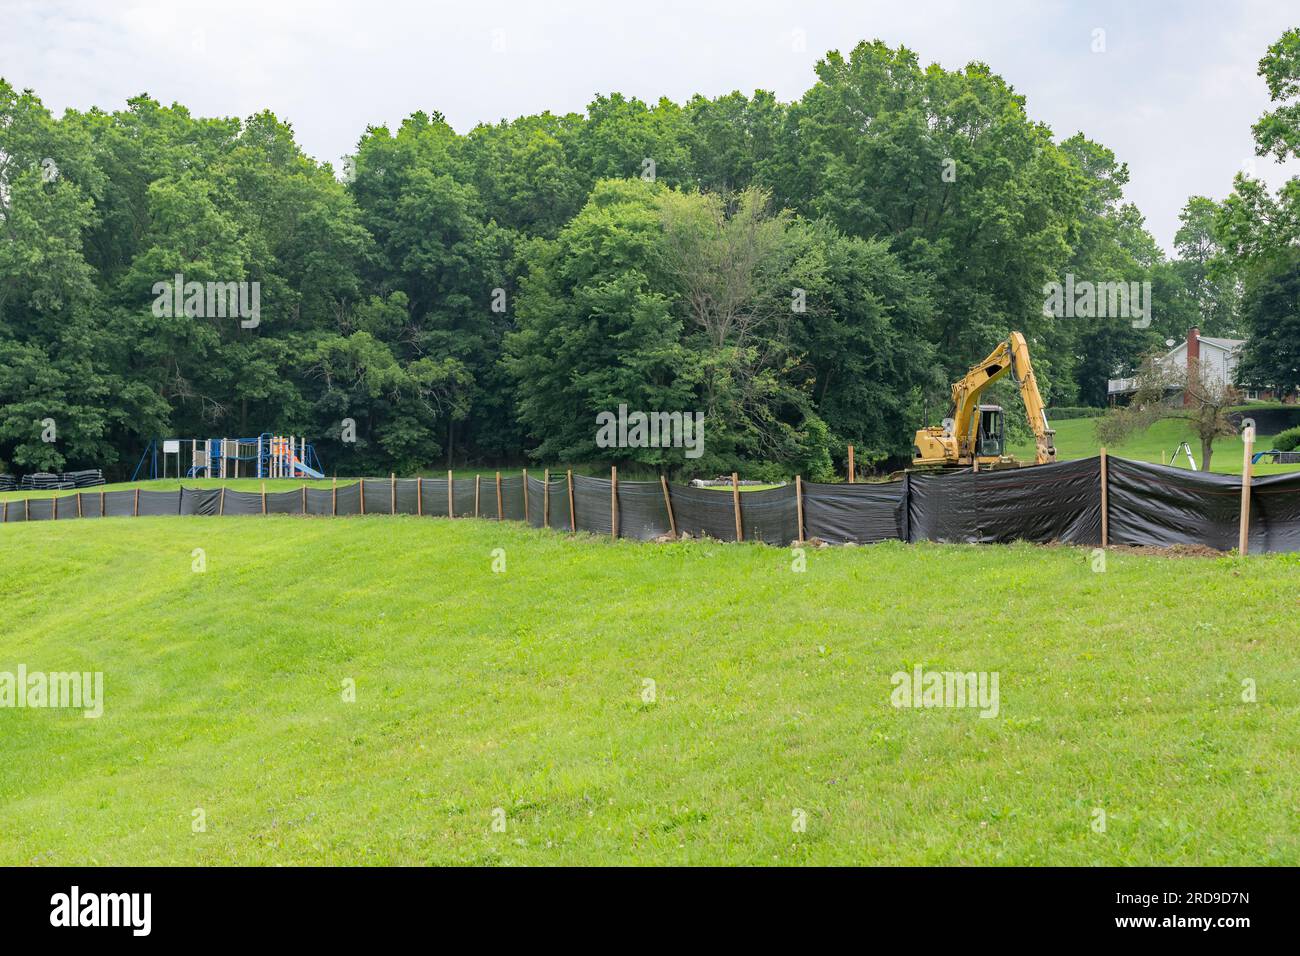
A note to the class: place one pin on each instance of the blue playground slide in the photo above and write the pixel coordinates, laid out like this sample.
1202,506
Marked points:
308,472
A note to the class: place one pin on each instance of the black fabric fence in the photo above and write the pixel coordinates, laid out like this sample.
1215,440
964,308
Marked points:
1147,505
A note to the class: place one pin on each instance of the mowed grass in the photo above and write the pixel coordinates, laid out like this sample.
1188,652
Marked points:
1077,438
1119,691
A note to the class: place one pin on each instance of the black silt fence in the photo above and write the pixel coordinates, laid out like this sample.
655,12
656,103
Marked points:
703,513
1059,502
857,514
1147,505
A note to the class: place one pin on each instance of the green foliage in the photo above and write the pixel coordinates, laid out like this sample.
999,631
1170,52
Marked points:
479,298
1066,412
1287,440
1272,313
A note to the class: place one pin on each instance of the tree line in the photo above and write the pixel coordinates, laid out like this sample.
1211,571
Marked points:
805,274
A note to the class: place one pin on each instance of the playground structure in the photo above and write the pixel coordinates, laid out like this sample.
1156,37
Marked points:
266,456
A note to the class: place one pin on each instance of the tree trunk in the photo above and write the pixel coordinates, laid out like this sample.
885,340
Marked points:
1207,448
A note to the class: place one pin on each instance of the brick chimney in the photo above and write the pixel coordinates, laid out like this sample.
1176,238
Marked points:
1193,358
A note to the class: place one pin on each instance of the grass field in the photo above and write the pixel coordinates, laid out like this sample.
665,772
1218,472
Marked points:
1076,438
1119,691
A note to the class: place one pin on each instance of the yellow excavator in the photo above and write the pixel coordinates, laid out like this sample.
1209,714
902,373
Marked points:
974,434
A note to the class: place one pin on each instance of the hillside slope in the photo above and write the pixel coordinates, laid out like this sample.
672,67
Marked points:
527,691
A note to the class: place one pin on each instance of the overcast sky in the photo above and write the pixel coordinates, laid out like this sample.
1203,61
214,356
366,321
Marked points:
1174,93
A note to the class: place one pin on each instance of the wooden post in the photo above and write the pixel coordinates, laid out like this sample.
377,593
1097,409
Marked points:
392,501
334,496
613,501
451,495
668,503
1247,468
55,506
573,514
264,497
850,464
27,508
361,487
526,521
4,511
78,504
101,503
136,512
419,495
304,497
798,503
221,501
546,498
500,510
477,487
735,501
1105,503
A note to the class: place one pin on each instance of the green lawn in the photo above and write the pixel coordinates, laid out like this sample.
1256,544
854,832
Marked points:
1077,438
522,690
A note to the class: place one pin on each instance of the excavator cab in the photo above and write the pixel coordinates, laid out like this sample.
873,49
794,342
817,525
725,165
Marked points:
991,437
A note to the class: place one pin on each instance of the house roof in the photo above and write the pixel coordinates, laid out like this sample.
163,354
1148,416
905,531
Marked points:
1226,344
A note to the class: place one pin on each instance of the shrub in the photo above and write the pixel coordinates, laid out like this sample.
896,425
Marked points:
1287,440
1066,412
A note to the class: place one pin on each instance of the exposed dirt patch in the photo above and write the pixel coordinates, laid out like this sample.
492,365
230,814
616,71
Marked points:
1172,551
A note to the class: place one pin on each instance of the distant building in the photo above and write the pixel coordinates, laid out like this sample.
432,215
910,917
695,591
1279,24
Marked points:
1218,357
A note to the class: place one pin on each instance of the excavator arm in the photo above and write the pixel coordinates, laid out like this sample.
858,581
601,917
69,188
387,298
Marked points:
955,442
1022,370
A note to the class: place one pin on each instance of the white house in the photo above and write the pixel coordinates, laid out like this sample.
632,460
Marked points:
1218,357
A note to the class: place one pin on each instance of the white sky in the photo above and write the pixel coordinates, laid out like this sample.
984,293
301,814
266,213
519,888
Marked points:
1174,93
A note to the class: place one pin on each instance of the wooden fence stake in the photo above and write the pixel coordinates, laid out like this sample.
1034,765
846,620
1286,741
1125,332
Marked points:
392,506
477,484
101,503
1247,467
573,514
798,503
735,501
451,495
546,498
78,504
304,497
668,503
361,488
56,507
334,496
136,513
613,501
851,464
1105,503
500,510
221,501
419,496
526,521
27,508
264,497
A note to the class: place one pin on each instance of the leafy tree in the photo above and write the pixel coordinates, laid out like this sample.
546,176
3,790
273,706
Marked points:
1174,392
1272,312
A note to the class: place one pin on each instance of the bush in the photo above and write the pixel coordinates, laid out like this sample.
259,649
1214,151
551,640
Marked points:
1066,412
1287,440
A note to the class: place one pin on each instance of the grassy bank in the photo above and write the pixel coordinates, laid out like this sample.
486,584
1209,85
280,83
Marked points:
527,691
